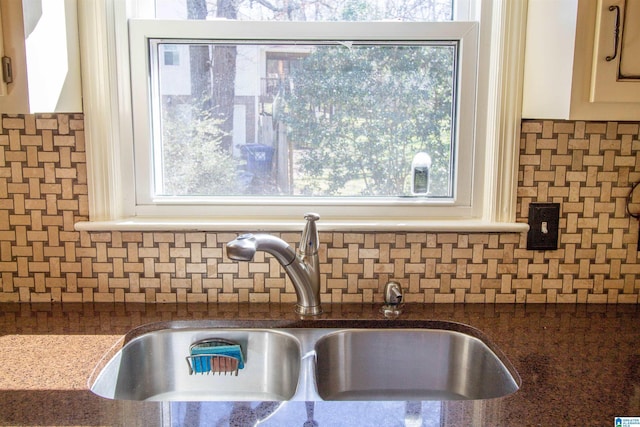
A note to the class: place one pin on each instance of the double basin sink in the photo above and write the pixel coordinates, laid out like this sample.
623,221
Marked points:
449,362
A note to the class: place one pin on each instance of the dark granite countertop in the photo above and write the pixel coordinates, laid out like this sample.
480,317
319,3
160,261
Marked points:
579,364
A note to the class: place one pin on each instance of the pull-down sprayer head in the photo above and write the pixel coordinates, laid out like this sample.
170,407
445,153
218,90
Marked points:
302,267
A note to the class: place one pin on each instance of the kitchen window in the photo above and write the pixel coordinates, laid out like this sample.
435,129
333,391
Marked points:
355,120
337,120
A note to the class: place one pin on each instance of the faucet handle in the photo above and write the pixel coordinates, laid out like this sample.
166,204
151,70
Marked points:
309,243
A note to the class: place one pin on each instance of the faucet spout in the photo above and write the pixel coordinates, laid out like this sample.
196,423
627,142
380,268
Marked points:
302,266
245,246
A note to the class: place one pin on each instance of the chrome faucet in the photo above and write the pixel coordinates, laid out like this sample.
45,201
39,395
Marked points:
303,266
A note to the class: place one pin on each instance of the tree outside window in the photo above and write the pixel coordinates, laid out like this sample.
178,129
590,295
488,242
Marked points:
331,120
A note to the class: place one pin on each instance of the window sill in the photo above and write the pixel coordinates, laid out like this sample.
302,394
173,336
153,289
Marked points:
350,225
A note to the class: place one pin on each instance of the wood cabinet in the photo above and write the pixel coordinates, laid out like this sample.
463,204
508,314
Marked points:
615,76
577,66
41,40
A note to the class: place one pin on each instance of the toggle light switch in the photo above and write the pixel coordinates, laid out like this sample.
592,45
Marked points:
544,221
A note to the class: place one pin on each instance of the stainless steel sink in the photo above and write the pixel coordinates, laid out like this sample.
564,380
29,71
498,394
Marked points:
153,367
409,365
447,362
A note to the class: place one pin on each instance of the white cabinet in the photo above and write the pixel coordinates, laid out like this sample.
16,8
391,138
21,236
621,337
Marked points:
41,39
567,73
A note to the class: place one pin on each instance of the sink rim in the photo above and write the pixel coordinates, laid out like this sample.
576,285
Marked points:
322,328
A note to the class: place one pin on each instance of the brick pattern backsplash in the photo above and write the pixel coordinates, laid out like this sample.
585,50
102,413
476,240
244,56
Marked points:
587,167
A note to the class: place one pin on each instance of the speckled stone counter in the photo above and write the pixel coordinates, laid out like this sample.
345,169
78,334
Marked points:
579,364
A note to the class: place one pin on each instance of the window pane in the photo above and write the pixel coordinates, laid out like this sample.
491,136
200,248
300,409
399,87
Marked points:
309,10
332,120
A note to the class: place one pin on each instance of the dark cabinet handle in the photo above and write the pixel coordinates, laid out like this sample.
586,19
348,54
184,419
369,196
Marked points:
616,33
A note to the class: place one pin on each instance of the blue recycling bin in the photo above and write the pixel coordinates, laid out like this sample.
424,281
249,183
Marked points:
259,158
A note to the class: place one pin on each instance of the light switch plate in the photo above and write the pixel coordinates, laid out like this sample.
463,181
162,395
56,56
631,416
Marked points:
544,221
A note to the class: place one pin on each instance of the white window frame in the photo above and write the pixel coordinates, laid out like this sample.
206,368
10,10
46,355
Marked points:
460,206
110,99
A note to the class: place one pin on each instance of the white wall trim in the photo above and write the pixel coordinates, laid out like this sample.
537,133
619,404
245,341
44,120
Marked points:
503,130
105,102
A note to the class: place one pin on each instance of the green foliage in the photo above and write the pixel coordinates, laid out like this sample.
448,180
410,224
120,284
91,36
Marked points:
362,112
360,10
355,116
193,160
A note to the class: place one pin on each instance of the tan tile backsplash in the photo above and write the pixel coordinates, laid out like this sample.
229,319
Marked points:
587,167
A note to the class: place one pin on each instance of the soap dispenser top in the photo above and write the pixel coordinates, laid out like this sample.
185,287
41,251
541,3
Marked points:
392,300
